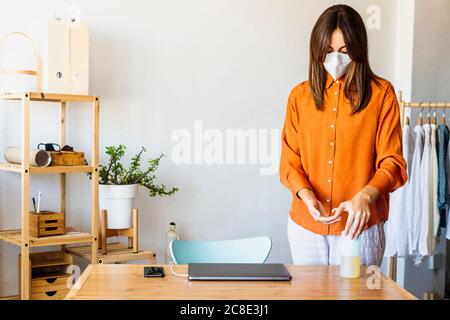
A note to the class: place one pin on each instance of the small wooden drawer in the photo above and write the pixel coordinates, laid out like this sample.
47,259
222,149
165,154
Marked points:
53,283
46,223
50,295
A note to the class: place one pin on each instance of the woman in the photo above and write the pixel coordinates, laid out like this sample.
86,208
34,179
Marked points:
341,146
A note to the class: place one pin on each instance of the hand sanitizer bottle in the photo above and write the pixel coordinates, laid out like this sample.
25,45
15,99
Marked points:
350,257
171,235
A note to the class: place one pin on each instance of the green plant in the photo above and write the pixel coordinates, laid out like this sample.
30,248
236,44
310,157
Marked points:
115,173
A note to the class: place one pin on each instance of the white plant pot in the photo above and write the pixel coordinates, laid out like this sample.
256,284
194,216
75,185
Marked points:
118,201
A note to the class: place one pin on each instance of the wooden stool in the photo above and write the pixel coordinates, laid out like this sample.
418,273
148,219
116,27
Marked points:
131,233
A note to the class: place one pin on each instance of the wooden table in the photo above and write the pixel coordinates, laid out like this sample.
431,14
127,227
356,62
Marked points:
112,281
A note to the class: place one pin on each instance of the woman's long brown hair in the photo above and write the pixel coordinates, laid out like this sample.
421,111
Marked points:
357,87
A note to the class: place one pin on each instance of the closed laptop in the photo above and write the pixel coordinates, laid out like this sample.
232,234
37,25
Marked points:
238,271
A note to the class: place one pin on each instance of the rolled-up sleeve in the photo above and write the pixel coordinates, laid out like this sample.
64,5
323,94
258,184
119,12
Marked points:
390,166
292,173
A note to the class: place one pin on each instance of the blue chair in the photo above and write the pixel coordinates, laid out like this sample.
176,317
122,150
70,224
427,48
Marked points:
251,250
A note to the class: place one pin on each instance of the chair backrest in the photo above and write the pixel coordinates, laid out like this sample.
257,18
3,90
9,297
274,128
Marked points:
250,250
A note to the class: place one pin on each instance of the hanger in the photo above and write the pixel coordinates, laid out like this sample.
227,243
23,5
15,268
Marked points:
443,116
407,120
420,120
433,120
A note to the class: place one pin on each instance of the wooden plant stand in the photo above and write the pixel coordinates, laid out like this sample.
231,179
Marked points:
21,237
131,233
116,252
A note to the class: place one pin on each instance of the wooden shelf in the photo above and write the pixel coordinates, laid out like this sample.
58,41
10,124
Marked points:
43,276
117,252
11,167
24,99
49,97
50,263
15,237
16,297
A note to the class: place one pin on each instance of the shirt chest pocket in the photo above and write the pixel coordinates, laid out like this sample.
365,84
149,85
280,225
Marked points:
358,129
313,135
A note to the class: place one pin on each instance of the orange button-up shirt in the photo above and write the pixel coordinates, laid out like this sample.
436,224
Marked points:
336,153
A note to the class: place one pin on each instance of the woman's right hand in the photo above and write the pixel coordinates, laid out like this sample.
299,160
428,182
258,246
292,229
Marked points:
315,207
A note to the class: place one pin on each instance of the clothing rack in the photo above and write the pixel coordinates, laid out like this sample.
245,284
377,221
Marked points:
412,105
418,105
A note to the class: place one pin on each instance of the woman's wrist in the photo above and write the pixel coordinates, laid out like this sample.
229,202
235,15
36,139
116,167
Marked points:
306,194
369,193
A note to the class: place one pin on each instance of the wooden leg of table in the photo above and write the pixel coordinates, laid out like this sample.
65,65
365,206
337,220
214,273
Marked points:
103,232
135,231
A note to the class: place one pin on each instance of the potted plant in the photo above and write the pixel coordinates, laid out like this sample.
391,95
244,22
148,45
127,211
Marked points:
119,185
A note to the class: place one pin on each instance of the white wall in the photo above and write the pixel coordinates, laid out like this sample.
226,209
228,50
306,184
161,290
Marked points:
161,65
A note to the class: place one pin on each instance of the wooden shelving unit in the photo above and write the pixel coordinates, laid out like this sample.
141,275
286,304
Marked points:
21,236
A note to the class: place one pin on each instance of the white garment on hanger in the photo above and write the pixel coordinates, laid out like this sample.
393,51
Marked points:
424,187
428,191
396,233
413,199
408,147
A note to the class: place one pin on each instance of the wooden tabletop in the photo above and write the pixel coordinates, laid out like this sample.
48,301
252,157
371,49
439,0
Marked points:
126,281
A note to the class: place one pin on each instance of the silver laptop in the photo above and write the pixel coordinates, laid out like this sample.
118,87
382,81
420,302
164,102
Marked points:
238,271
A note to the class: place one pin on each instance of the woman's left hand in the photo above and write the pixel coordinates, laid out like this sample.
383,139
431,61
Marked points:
358,209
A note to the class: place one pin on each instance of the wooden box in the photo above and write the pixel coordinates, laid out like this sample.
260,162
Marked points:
49,277
67,158
51,287
46,223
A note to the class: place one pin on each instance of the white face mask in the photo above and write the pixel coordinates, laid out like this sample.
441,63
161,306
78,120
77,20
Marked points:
336,63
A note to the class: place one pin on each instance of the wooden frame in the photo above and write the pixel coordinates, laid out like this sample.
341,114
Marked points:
131,233
21,237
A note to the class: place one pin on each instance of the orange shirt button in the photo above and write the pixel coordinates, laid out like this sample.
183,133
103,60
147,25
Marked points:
328,200
332,126
334,109
335,92
330,162
331,144
329,180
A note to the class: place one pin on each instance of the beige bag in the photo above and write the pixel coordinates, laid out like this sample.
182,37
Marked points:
19,76
68,57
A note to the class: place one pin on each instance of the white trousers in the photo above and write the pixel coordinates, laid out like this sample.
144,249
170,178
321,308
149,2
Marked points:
309,248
